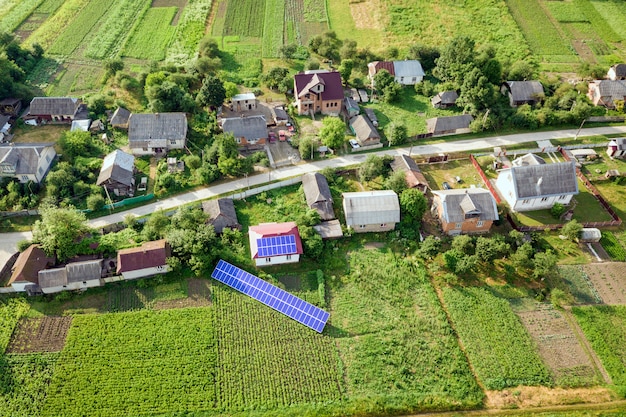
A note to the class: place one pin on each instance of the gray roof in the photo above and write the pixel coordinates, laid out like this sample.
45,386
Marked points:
616,89
351,104
363,128
42,106
221,214
445,97
317,194
243,96
117,166
447,123
404,163
120,117
409,68
458,204
329,229
72,272
279,113
4,120
620,70
371,115
525,90
371,207
528,159
533,181
23,158
56,277
619,142
252,127
156,126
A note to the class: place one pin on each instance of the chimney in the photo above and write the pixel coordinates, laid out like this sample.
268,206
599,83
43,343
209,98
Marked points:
538,186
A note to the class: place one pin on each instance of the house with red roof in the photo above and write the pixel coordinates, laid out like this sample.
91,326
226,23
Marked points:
147,260
275,243
25,272
318,91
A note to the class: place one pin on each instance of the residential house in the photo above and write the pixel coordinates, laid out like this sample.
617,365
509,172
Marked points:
25,272
147,260
26,162
366,133
444,99
73,276
80,125
531,184
371,211
523,92
120,117
449,125
413,174
56,109
317,194
372,116
318,91
408,72
280,116
243,102
249,130
275,243
156,133
617,148
117,173
606,92
10,107
467,210
617,72
222,214
352,107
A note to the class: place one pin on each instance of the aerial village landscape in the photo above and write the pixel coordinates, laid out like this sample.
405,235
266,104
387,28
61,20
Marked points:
312,208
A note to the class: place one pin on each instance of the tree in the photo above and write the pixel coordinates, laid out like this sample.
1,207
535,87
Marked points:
113,65
212,93
345,69
306,147
397,133
169,97
557,210
231,89
477,93
76,143
275,77
156,226
544,264
208,47
521,71
95,202
326,45
413,203
522,258
426,55
396,182
288,51
374,166
333,132
572,230
382,79
464,244
429,248
348,50
490,248
456,60
58,231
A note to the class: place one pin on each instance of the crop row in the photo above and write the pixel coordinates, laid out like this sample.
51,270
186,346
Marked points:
273,27
109,38
315,11
11,311
152,35
605,328
597,21
17,14
579,284
614,14
245,18
54,26
267,360
566,12
189,31
49,6
498,346
613,247
136,363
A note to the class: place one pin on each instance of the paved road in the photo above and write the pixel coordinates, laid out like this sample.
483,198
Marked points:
8,243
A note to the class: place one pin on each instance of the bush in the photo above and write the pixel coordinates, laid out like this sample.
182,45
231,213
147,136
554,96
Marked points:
22,245
557,210
95,202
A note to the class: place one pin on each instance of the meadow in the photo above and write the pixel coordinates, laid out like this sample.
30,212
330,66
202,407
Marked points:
152,35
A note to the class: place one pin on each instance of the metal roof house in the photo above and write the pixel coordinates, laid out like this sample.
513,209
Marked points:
414,177
222,214
155,133
275,243
26,162
366,133
317,194
467,210
73,276
523,92
318,91
617,72
449,125
537,186
407,72
249,130
371,211
55,109
117,173
243,102
617,148
352,107
147,260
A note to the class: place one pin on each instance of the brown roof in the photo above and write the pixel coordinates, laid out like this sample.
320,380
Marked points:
28,265
380,65
414,176
221,214
333,89
148,255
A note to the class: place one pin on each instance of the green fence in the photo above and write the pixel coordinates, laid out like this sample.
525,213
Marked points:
129,201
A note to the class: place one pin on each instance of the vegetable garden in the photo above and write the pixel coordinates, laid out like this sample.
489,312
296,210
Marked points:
152,35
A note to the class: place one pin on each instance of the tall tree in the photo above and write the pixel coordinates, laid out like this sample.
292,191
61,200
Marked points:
333,132
212,93
58,230
457,58
345,69
413,203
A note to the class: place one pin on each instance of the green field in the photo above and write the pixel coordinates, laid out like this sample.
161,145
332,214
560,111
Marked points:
152,35
11,311
12,17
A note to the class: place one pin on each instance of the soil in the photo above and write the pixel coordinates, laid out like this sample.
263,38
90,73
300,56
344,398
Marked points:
198,295
530,397
43,334
366,15
609,280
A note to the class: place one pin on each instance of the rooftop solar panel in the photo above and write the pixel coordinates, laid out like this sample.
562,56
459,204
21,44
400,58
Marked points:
270,295
276,245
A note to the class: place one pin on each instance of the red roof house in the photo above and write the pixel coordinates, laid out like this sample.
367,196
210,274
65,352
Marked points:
275,243
147,260
318,91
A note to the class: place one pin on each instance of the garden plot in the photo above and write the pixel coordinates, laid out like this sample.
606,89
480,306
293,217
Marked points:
609,281
579,284
43,334
558,346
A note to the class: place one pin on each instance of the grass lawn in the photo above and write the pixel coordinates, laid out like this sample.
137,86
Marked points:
463,168
370,31
39,134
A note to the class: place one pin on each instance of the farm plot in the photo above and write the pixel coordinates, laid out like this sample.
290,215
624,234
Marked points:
152,35
198,294
605,328
14,16
558,346
579,284
267,360
499,348
190,29
11,311
394,338
42,334
137,363
53,27
244,18
75,79
273,27
609,281
24,381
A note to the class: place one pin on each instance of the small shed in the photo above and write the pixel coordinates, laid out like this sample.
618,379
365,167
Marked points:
364,130
317,194
372,116
590,234
280,116
120,118
329,230
222,214
352,107
444,99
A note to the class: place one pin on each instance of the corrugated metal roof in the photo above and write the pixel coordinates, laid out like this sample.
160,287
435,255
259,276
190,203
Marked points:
317,194
117,166
534,181
616,89
371,207
84,271
445,97
243,96
221,213
251,127
45,106
363,128
149,255
23,158
525,90
382,65
56,277
120,117
528,159
458,203
156,126
409,68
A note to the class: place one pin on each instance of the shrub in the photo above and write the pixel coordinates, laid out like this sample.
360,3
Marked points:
95,202
557,210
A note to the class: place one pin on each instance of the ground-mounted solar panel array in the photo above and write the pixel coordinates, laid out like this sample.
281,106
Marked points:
276,245
271,296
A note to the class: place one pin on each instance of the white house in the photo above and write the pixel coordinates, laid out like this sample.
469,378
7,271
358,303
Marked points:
531,184
617,72
74,276
275,243
408,72
26,162
371,211
617,148
147,260
243,102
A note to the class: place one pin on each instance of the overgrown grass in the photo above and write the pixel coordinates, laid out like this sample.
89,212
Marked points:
11,310
17,14
189,31
273,27
152,35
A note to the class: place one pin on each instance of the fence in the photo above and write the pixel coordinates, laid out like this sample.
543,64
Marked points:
259,190
485,179
19,213
129,201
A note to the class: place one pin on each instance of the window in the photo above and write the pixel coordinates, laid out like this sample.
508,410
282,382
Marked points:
383,225
458,225
414,79
361,226
145,149
544,199
268,260
525,201
562,197
172,142
85,282
40,170
24,177
401,79
288,257
47,158
480,223
326,105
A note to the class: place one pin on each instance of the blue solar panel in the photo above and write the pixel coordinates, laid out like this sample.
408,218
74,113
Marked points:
271,296
276,245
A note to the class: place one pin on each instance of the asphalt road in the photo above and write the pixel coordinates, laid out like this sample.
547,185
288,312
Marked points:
8,241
